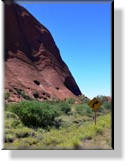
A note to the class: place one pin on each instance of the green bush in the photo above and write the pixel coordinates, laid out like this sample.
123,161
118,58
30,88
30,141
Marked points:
7,95
70,100
64,107
9,138
52,102
61,107
99,130
102,98
83,99
107,105
24,132
12,120
26,97
83,109
22,94
34,113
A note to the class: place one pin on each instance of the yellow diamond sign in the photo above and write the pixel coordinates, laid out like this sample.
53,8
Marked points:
95,104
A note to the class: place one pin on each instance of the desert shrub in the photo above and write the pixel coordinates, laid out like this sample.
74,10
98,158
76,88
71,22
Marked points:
26,97
99,130
10,115
10,107
83,99
9,138
76,144
34,113
107,105
102,98
70,100
12,120
22,94
61,107
64,107
6,95
101,109
83,109
53,102
23,132
19,144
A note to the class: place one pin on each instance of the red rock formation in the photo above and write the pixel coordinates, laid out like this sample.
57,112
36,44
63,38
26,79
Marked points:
33,65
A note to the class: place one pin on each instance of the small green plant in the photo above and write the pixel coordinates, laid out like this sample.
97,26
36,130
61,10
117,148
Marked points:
9,138
107,105
64,107
23,132
83,99
61,107
22,94
102,98
99,130
84,109
70,100
12,120
7,95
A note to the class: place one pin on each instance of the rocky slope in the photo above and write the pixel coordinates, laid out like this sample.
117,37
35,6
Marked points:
33,65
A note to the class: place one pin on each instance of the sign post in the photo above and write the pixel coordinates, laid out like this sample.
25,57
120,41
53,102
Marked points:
95,117
95,105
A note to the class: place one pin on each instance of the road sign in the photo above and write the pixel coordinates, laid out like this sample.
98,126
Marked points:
95,104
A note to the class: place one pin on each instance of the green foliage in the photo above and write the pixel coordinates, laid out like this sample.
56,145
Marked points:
14,128
67,137
26,97
24,132
61,107
7,95
107,105
9,138
12,120
71,137
83,99
99,130
70,100
39,114
83,109
77,119
23,143
53,125
22,94
64,107
102,98
34,113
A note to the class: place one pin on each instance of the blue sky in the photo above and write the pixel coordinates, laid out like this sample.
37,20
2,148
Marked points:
83,35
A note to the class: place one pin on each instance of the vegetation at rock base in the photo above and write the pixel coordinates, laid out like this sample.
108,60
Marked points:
56,125
6,95
21,93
